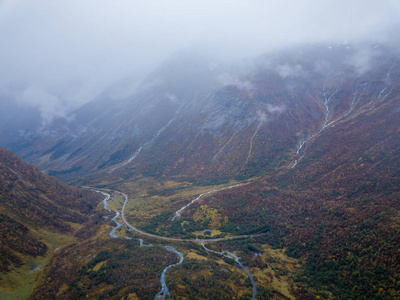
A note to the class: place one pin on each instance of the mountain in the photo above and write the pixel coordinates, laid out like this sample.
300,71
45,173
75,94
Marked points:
337,209
300,146
16,121
34,208
108,130
197,119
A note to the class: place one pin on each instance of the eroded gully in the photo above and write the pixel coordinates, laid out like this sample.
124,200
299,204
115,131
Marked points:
327,100
382,95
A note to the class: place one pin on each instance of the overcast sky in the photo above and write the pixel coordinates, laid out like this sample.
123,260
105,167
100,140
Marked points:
56,54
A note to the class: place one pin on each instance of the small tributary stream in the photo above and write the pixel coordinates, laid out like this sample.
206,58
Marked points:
236,259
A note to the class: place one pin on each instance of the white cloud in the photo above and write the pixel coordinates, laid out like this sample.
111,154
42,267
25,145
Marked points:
74,49
361,59
229,79
270,109
49,105
275,109
288,70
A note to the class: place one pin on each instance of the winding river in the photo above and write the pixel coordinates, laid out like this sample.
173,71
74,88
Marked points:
164,288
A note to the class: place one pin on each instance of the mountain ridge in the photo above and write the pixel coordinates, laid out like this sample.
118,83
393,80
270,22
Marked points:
224,111
314,129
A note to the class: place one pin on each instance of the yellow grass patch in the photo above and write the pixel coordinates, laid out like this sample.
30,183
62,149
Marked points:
193,255
276,276
98,266
20,282
149,198
132,296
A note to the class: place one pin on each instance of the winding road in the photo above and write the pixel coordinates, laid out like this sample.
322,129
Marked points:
164,237
164,288
164,291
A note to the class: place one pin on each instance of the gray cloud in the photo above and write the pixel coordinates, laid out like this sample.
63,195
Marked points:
49,105
361,59
71,50
241,84
288,70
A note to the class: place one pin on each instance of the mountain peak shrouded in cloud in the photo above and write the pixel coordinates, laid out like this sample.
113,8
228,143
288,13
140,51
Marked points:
73,50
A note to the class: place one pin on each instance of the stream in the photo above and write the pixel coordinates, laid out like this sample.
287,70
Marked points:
239,265
164,288
382,95
145,145
327,100
118,225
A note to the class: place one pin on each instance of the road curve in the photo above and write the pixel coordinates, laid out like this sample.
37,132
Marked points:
164,289
173,239
164,237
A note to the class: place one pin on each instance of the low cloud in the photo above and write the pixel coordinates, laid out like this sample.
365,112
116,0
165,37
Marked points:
48,105
361,59
275,109
288,70
73,50
242,84
263,116
323,67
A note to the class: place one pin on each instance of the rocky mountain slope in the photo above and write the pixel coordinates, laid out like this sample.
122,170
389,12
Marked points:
314,131
337,209
198,120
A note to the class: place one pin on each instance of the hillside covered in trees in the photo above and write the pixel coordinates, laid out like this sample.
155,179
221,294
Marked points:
32,206
296,159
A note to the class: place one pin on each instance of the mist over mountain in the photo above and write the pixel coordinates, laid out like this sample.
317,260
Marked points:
299,146
61,58
224,150
195,113
17,122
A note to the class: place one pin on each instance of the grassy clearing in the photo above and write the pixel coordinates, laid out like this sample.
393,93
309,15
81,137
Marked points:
147,201
56,240
277,275
116,201
193,255
20,282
